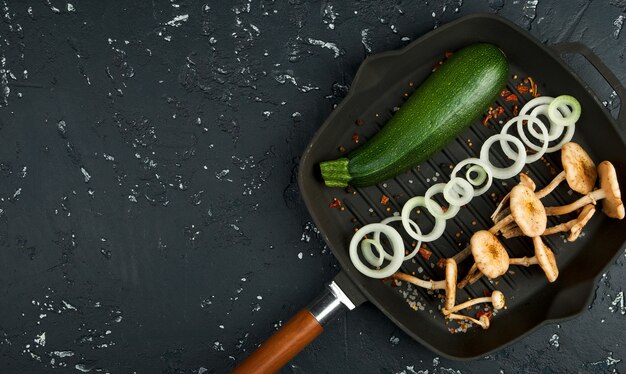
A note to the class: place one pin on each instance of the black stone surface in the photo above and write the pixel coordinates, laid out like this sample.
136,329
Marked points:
150,220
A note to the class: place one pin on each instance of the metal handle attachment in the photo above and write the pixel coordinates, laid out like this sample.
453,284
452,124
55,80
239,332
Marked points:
329,304
596,62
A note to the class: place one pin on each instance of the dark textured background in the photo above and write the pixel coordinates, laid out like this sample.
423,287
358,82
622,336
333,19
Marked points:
150,220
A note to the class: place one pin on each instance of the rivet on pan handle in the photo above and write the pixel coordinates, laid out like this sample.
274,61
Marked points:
607,74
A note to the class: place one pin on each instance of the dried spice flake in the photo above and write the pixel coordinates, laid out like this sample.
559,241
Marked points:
511,97
425,253
521,88
336,203
384,199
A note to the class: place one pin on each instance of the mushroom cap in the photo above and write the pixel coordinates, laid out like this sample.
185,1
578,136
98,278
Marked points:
489,255
545,259
528,211
525,180
451,275
580,170
585,215
612,204
484,320
497,299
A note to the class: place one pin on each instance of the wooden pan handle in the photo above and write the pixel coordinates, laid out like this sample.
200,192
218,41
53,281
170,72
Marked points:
284,345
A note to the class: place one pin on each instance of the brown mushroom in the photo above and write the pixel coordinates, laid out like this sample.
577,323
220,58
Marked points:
489,255
448,284
483,321
544,257
524,180
579,171
490,258
574,226
496,299
527,212
608,192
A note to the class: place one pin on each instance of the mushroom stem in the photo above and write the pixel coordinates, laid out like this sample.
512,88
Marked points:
467,304
584,217
429,284
451,277
461,256
523,261
501,223
551,186
590,198
470,274
574,226
483,322
449,284
496,299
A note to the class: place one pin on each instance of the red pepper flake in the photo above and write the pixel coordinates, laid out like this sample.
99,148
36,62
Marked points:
511,97
441,263
425,253
483,313
523,89
384,199
444,208
359,122
486,119
355,137
336,203
448,54
492,114
533,87
515,109
498,111
504,93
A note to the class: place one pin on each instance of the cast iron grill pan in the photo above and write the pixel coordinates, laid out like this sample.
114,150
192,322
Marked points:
378,88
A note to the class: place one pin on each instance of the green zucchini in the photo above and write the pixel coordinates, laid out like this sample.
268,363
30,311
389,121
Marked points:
447,103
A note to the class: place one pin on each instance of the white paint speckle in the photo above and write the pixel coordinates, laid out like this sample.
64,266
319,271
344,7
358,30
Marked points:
82,367
178,20
618,304
618,23
86,175
332,46
300,255
554,341
70,7
41,339
63,354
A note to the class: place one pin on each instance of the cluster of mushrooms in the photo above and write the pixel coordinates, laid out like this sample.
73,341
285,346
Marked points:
521,213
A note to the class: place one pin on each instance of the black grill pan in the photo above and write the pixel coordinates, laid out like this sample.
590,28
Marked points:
379,87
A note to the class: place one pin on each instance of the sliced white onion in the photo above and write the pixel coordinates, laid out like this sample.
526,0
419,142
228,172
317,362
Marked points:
397,247
477,162
529,106
555,130
369,254
569,134
510,171
481,175
376,260
440,224
452,195
531,120
561,103
432,205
